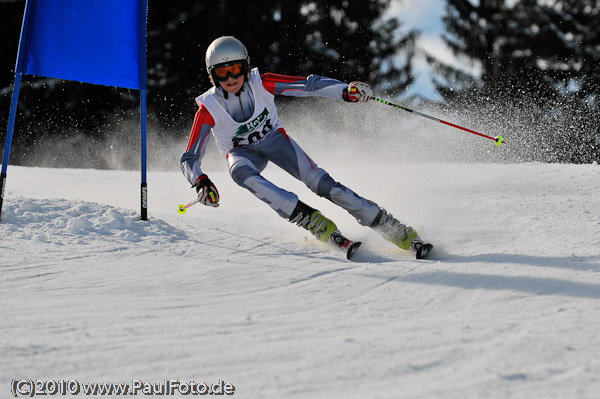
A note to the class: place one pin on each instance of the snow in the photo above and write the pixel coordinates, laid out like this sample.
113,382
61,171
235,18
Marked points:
509,305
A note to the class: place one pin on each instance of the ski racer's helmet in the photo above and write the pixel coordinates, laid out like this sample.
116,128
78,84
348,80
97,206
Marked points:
226,51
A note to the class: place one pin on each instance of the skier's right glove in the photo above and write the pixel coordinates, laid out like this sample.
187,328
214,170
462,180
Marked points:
207,192
357,91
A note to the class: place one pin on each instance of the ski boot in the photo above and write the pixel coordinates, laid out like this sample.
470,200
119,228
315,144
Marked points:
399,234
312,220
322,228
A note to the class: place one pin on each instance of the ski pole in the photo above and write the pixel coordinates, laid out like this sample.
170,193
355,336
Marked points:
498,139
182,208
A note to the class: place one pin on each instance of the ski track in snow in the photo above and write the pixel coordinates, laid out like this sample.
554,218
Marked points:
509,305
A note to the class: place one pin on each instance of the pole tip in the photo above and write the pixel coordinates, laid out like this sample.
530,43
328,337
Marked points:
499,140
181,209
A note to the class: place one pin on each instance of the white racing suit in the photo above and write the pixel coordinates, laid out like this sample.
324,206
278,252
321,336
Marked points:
247,129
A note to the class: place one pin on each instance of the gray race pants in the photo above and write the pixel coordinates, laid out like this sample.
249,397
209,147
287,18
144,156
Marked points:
246,164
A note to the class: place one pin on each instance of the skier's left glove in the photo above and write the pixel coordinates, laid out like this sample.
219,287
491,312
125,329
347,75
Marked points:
207,192
357,91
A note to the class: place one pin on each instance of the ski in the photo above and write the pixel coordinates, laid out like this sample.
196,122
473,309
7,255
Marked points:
424,250
337,239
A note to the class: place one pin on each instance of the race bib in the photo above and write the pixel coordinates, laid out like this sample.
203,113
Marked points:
251,132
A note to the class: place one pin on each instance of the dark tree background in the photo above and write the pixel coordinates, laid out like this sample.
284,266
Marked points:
538,60
344,39
542,58
547,48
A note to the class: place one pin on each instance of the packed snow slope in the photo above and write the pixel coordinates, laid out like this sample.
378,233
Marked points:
508,307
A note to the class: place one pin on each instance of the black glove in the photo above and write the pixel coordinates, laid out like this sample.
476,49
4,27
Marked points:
207,192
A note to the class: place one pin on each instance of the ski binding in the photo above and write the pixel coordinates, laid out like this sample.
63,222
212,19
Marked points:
337,239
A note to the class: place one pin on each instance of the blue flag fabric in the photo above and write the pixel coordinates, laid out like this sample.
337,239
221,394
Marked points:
93,41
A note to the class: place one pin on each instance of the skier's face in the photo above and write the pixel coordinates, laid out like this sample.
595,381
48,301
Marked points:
233,85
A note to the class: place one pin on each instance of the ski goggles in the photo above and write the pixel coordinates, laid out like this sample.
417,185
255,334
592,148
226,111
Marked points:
222,73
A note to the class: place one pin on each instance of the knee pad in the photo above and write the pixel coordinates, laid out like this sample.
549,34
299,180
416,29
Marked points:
325,186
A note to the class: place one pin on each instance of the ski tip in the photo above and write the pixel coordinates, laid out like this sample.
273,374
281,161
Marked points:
423,251
352,249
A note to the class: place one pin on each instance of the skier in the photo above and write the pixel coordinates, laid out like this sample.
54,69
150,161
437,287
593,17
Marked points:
240,112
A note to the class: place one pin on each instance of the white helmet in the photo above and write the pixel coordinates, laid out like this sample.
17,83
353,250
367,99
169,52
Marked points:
225,50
